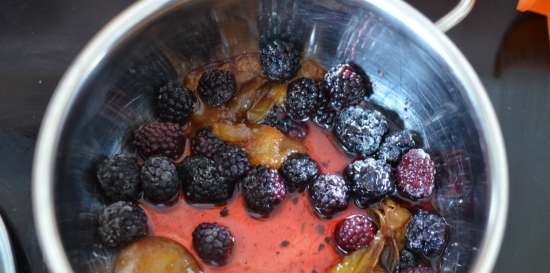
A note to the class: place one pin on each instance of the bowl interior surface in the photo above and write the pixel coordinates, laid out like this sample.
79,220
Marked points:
409,81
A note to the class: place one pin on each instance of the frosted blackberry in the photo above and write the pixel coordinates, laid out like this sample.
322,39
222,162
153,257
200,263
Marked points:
329,194
203,182
121,223
280,59
301,98
370,180
299,170
347,86
360,130
118,178
160,180
395,145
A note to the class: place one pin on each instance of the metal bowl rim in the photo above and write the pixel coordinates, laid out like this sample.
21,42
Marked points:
140,13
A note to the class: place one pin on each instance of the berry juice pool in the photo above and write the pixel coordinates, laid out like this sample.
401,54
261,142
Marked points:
270,163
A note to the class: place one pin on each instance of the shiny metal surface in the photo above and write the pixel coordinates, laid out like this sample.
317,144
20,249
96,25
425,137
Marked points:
7,263
418,73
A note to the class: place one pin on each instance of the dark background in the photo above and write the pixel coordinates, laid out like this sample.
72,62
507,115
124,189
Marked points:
510,52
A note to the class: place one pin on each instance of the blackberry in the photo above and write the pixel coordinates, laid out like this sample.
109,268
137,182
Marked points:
360,130
416,175
324,115
121,223
369,180
298,170
301,98
280,59
329,195
278,118
213,243
426,234
159,138
203,183
205,143
232,161
406,259
175,103
118,178
354,232
160,180
263,189
419,269
217,86
346,85
396,144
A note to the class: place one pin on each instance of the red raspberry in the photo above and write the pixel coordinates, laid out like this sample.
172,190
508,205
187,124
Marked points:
354,233
415,174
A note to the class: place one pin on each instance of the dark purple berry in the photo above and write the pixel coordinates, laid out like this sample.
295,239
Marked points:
159,138
278,118
203,182
263,189
121,223
280,59
160,180
205,143
406,259
217,86
175,103
329,195
232,161
354,232
213,243
426,234
301,98
346,86
370,180
416,175
360,130
324,115
118,178
299,170
395,145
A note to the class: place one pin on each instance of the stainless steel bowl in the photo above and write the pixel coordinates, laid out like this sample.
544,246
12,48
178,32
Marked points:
417,72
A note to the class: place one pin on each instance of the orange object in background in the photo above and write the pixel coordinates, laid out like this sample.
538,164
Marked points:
538,6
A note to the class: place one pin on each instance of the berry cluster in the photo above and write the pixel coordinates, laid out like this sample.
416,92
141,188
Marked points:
387,163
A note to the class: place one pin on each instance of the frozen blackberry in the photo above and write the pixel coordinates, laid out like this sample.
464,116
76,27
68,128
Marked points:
419,269
205,143
217,86
346,85
416,175
396,144
175,103
406,259
360,130
280,59
203,182
299,170
369,180
426,234
354,232
118,178
329,195
121,223
160,180
159,138
232,161
213,243
301,98
263,189
324,115
278,118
